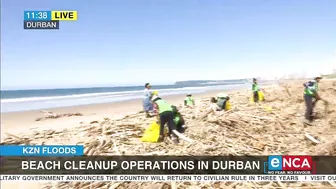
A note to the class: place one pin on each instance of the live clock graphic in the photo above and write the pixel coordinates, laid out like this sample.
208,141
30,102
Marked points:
47,19
37,15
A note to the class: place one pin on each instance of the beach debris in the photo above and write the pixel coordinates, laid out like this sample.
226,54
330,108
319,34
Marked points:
247,129
52,115
182,136
286,87
308,136
258,117
326,106
173,185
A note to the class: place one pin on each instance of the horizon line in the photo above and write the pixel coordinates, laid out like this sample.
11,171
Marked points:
135,85
104,86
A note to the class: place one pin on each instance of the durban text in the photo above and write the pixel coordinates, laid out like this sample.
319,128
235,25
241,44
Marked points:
236,165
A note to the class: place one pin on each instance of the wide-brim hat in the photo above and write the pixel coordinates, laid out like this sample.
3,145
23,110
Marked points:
222,95
155,97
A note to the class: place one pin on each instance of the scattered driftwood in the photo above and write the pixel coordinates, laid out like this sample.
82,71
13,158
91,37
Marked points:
327,149
182,136
246,130
173,185
51,115
326,106
287,90
205,114
311,138
247,115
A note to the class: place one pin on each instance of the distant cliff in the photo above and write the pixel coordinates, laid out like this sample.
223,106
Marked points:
204,82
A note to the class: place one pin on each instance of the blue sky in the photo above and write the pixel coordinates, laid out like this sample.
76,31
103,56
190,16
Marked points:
129,42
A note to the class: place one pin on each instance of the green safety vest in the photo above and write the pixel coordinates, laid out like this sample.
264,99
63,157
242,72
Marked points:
163,106
190,101
310,90
255,87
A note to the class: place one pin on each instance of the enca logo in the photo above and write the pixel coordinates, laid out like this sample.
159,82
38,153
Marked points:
290,163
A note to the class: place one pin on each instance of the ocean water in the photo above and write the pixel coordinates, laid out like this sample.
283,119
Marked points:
23,100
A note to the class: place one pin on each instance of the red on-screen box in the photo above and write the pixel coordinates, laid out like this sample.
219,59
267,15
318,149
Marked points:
290,165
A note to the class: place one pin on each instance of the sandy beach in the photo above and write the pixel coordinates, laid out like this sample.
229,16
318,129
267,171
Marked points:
23,122
272,127
17,122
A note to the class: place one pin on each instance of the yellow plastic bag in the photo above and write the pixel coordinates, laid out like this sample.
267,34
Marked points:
260,97
151,133
227,105
268,108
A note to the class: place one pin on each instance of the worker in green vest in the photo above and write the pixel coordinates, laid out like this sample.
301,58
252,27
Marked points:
311,96
166,115
255,90
221,101
179,121
189,101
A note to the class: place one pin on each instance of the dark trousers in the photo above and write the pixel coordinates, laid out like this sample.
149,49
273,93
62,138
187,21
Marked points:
255,96
167,117
179,127
309,107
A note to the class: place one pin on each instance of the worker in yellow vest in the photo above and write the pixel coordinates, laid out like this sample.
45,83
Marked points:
166,115
189,101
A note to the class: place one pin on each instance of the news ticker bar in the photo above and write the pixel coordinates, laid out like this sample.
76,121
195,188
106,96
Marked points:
165,178
165,165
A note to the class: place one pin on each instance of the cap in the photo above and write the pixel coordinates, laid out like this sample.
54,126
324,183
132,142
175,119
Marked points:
147,84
